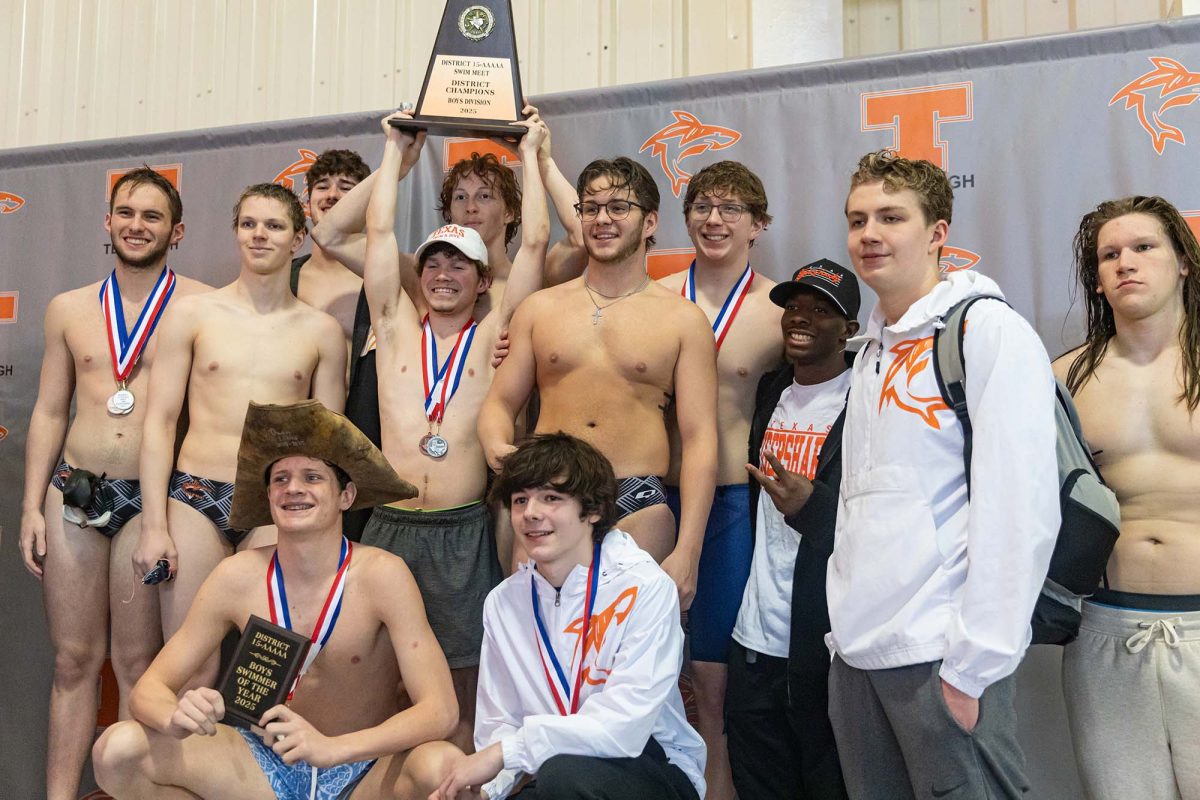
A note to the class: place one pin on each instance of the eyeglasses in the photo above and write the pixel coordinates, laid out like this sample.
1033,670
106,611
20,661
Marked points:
617,209
730,212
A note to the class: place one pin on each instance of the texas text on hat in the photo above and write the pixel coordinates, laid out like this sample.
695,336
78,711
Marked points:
827,277
466,240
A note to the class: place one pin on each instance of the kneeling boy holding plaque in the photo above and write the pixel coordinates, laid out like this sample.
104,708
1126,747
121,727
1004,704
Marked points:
336,730
579,675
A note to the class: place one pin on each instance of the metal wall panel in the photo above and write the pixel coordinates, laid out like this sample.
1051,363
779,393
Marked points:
884,26
88,69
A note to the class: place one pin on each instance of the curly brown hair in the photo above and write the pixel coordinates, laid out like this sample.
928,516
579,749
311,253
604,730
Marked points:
623,173
1101,324
336,162
569,465
499,177
925,179
726,178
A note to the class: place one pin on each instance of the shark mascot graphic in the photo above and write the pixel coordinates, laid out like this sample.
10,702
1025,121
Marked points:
687,136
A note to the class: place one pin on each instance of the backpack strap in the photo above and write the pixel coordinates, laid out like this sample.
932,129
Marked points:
950,368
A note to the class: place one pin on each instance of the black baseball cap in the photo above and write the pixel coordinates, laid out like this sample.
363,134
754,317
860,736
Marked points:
827,277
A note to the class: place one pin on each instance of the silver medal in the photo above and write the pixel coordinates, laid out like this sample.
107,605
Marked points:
434,446
121,402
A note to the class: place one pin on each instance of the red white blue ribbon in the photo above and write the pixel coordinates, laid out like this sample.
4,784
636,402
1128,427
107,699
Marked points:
441,383
568,698
326,620
733,302
126,348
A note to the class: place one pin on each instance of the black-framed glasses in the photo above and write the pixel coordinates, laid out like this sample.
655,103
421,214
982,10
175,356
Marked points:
617,209
730,212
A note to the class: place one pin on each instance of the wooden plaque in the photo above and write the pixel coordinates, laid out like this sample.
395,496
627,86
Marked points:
473,84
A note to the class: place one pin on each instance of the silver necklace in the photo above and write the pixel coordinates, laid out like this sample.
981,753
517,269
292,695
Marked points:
618,298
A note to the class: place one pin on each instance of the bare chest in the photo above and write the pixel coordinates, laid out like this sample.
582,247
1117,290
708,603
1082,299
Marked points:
269,349
1135,410
626,341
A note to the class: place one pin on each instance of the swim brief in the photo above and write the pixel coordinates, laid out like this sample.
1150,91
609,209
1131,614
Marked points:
126,499
213,499
638,492
295,781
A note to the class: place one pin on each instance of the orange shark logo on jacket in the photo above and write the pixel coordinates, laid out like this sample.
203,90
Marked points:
10,202
602,621
292,176
1168,85
687,136
956,259
913,356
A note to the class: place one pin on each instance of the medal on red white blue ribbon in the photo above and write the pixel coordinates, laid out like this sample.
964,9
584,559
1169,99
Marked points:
441,383
126,348
568,699
326,620
733,302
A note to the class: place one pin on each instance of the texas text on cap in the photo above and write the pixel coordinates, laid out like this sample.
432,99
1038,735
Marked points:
827,277
466,240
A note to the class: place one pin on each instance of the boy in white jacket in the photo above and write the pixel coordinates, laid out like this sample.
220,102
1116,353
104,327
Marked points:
931,586
578,679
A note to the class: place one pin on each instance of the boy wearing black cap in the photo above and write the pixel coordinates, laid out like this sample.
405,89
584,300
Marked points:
780,741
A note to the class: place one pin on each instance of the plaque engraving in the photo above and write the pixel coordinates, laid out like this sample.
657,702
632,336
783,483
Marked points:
262,671
473,84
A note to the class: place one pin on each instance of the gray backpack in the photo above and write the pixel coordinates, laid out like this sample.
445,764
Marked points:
1091,519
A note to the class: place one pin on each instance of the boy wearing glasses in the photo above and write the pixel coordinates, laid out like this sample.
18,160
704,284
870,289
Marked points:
609,352
725,209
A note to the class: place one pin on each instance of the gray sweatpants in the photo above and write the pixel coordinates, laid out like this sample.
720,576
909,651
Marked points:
1132,686
897,739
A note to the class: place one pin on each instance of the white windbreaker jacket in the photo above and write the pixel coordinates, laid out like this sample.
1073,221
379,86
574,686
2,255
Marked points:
630,687
918,573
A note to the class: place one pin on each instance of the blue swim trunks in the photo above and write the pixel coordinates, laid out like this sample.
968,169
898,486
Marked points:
724,570
294,781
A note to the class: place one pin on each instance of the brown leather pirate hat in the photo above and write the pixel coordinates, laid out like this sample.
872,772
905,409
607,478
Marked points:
307,429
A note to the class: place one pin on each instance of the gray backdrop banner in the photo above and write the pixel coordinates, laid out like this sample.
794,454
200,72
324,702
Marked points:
1033,134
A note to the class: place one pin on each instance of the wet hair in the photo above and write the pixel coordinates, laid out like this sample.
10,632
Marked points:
336,162
623,173
1101,325
726,178
499,177
568,465
273,191
483,270
925,179
145,175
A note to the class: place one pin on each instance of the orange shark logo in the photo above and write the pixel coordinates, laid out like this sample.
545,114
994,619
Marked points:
10,202
913,356
3,433
1175,86
615,614
292,176
687,136
956,259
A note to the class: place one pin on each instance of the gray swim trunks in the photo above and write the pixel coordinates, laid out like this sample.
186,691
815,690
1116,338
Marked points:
452,555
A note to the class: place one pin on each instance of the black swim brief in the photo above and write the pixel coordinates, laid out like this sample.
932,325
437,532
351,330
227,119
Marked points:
126,499
213,499
638,492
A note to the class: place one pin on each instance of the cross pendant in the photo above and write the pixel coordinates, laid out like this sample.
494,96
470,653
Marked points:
596,317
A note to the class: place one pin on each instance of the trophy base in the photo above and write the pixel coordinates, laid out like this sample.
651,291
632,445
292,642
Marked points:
467,128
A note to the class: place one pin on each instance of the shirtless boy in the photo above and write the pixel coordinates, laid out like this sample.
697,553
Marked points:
321,279
73,563
342,733
434,350
250,340
608,353
1132,679
725,209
